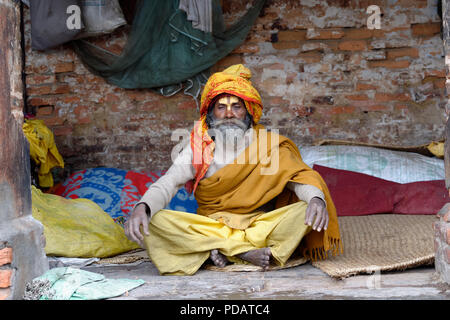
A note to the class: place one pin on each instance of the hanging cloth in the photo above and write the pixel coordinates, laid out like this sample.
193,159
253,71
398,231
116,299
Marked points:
164,51
43,150
199,12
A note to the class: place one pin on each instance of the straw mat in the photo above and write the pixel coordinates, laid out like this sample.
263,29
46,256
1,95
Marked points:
128,257
381,242
292,262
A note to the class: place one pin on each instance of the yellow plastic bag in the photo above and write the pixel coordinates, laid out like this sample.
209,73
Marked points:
78,227
437,149
43,150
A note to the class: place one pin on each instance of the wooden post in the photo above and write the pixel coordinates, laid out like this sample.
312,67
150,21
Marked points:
21,236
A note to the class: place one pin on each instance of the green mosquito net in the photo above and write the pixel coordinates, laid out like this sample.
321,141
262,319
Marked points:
164,51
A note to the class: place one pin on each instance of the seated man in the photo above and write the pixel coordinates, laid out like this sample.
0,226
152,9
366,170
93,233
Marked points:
257,200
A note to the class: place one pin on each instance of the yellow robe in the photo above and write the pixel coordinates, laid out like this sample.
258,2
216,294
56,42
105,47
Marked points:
228,218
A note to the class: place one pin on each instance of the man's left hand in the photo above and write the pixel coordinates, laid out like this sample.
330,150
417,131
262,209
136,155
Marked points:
317,212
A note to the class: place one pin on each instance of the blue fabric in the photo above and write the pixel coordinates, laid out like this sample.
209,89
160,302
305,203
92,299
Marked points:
116,191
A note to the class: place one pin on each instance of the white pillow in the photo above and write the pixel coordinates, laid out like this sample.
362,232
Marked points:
397,166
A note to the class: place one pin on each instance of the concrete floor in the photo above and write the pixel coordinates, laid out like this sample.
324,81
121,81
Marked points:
303,282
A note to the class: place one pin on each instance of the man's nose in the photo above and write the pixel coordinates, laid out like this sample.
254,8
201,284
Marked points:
229,113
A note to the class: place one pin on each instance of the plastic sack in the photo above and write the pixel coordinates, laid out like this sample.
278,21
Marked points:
397,166
78,228
100,17
49,23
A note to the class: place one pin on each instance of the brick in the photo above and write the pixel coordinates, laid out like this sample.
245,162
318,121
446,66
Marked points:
111,97
5,256
435,73
426,29
5,293
187,105
324,34
375,107
357,97
33,79
285,45
390,64
82,114
71,99
352,45
62,131
246,48
60,89
310,57
292,35
402,52
342,109
364,86
64,67
52,121
439,83
44,101
5,278
39,90
401,107
392,97
44,111
358,34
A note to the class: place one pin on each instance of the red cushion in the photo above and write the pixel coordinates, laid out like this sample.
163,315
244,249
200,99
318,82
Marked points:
356,194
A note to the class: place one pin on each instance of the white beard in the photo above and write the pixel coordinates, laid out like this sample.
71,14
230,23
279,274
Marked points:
229,137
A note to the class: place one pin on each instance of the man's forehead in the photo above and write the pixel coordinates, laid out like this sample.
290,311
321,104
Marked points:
228,99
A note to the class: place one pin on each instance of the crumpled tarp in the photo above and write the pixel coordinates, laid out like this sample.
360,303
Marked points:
76,284
43,150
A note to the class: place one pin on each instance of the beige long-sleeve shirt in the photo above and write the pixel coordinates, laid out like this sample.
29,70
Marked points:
160,193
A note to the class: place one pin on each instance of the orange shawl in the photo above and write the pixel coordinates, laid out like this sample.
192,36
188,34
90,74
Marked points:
240,188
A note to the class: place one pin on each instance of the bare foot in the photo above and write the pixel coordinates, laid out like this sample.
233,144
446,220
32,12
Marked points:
219,259
258,257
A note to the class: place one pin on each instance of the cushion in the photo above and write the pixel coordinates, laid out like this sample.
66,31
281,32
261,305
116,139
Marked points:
357,194
397,166
116,191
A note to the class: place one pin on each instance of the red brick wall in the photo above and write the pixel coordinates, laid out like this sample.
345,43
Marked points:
5,272
321,73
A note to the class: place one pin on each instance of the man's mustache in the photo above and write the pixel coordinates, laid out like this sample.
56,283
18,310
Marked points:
232,121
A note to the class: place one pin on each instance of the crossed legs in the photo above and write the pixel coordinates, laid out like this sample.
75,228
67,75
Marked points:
259,257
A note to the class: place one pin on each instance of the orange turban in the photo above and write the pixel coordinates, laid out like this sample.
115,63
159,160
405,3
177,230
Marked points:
234,80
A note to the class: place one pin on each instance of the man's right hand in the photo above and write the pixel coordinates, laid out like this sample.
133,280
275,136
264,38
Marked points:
132,226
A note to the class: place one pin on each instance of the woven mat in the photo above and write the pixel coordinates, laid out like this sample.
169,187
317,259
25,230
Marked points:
382,242
124,258
292,262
